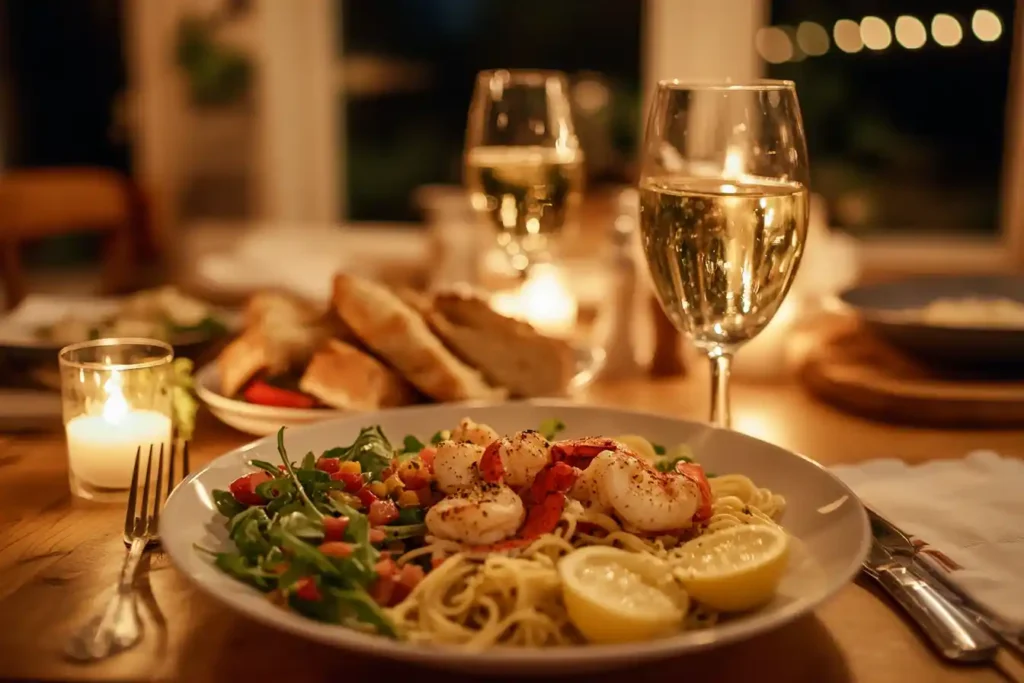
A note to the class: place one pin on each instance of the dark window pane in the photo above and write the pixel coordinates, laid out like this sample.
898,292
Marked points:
901,138
410,67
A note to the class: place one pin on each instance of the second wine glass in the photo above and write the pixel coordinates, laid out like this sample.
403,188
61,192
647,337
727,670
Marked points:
523,164
723,212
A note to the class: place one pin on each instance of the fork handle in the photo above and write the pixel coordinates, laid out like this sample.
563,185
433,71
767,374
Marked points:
118,627
954,634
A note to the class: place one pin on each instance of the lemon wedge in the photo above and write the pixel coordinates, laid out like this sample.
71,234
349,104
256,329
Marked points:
734,570
615,596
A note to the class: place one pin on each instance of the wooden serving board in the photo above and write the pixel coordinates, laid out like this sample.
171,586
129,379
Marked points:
848,367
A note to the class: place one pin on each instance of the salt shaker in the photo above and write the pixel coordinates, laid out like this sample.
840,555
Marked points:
619,340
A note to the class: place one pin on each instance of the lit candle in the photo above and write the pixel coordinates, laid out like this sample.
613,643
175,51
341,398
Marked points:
544,300
101,448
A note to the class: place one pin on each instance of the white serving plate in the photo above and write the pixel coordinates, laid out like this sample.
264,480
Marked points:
263,420
827,521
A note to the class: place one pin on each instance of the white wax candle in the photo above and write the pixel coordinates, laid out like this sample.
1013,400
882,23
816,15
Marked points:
101,448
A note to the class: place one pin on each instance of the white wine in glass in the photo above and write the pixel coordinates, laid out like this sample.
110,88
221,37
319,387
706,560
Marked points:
723,212
523,165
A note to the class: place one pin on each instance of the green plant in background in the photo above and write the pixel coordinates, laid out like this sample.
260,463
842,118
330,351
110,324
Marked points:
217,74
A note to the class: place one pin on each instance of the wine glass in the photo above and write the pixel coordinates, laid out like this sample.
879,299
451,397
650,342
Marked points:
723,212
524,167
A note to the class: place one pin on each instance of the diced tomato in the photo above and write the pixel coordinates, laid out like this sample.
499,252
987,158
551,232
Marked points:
329,465
414,474
282,468
261,393
383,512
386,567
427,456
366,497
382,590
408,578
353,482
334,528
244,488
307,589
336,549
426,497
279,568
377,536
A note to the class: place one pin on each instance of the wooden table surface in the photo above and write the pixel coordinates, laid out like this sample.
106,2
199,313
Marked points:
59,559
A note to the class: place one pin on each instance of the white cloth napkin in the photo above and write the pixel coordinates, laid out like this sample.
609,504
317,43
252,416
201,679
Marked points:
970,510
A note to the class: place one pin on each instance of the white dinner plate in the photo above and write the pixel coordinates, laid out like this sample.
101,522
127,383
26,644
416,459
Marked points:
826,520
263,420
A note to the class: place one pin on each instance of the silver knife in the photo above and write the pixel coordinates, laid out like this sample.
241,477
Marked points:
896,541
953,632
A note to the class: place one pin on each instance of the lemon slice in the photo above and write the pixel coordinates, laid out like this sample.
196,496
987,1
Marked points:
734,570
615,596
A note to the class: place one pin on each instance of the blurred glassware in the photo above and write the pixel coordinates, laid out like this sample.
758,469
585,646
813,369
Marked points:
723,212
523,163
456,246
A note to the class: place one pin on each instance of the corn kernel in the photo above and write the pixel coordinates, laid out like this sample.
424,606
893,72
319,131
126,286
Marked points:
378,489
408,499
346,498
394,485
351,467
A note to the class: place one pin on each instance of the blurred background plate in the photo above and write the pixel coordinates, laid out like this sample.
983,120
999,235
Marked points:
887,310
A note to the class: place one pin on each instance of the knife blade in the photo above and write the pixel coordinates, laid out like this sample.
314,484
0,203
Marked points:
952,631
899,544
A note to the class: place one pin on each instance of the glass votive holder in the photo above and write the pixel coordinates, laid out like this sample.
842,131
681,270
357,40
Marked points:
116,396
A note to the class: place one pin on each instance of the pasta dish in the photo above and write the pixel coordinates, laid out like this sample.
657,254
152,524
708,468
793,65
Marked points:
479,540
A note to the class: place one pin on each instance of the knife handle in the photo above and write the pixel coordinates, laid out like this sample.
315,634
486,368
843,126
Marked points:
954,634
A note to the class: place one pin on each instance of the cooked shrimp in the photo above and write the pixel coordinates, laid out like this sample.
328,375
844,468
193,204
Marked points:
480,515
455,465
475,433
516,460
643,498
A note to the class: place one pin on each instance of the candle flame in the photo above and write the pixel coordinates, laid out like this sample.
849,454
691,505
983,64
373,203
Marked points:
116,407
544,301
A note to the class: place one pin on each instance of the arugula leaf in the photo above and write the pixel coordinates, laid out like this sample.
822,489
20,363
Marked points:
361,606
437,438
253,513
412,445
275,488
267,467
410,516
301,526
303,552
250,540
551,427
291,473
372,451
358,533
226,504
309,462
338,453
400,531
658,449
237,566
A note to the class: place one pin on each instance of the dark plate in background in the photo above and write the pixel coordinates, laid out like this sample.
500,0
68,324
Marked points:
883,309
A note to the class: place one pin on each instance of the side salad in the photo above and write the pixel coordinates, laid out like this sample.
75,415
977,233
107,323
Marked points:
319,534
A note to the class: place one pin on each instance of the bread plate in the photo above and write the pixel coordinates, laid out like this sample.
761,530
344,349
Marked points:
259,420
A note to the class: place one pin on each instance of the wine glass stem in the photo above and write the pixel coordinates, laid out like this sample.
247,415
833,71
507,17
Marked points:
721,364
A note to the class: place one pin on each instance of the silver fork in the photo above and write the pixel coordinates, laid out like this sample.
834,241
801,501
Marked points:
118,627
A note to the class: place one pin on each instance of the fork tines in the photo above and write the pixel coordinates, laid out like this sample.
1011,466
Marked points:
143,521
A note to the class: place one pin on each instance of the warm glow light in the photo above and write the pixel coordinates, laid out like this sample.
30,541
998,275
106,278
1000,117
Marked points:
773,45
544,301
812,38
910,32
946,30
116,407
986,25
846,34
733,167
875,33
